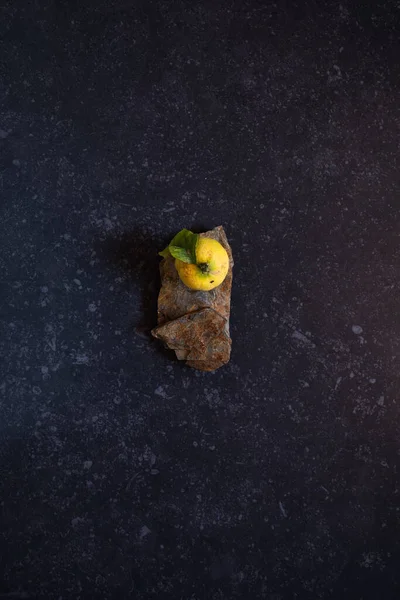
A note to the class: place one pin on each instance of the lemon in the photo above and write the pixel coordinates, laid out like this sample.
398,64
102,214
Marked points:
211,268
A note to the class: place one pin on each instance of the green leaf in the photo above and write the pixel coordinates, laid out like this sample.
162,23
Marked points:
193,245
182,239
181,253
165,252
183,247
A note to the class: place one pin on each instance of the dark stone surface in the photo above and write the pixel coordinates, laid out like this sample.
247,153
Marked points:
124,474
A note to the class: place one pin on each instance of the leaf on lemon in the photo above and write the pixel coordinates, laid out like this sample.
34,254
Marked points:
183,247
181,253
182,239
165,252
193,245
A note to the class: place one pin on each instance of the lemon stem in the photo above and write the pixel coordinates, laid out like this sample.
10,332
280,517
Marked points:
203,267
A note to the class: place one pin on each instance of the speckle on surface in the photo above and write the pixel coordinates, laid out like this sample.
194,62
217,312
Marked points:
357,330
124,474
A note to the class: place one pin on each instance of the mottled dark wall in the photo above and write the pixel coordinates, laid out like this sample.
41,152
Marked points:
124,474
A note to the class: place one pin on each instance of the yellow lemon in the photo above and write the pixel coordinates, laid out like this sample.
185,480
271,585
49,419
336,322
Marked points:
211,268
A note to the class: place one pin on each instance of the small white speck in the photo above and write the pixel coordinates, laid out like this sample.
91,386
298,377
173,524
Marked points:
87,464
372,380
297,335
282,509
195,444
337,69
81,359
381,401
144,530
16,162
92,307
108,224
44,289
44,370
77,281
357,330
160,392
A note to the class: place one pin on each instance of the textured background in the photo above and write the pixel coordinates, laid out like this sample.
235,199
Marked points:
123,474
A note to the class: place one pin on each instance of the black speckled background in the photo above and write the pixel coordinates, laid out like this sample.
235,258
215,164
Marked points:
124,474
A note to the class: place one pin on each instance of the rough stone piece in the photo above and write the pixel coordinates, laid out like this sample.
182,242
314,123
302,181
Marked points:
195,323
